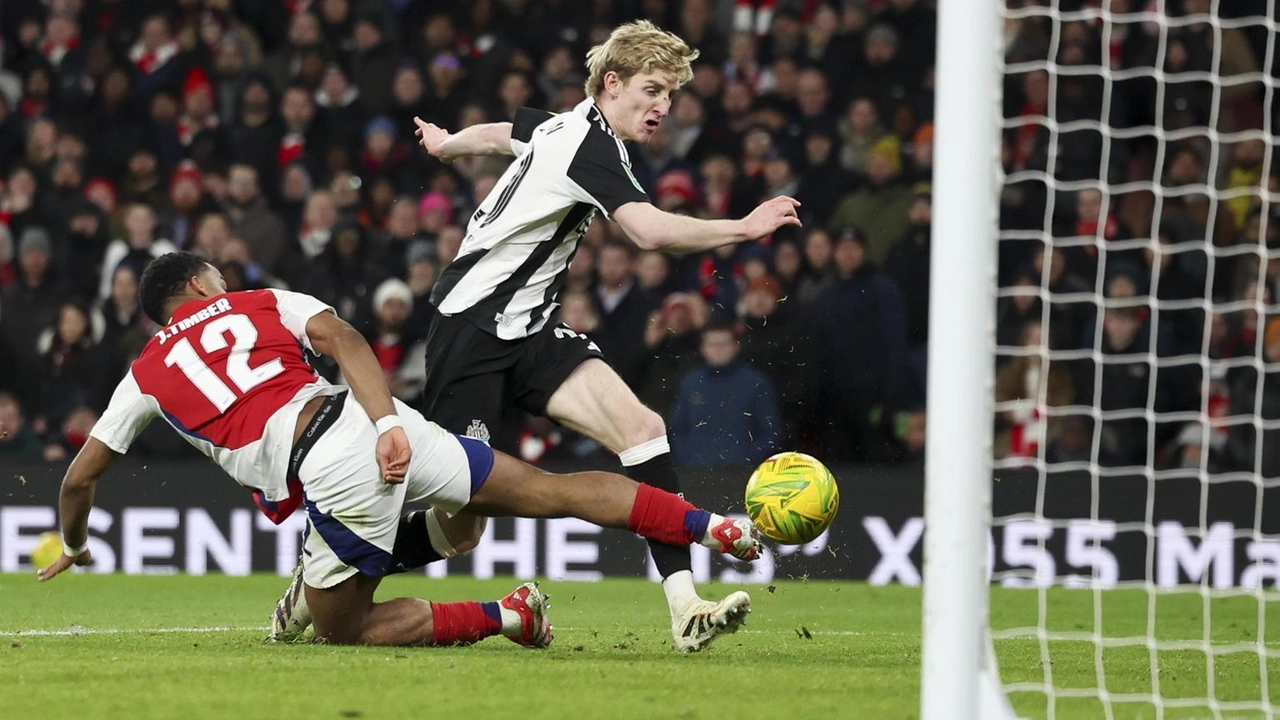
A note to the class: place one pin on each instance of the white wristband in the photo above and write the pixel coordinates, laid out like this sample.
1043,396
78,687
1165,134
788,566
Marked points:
74,551
386,422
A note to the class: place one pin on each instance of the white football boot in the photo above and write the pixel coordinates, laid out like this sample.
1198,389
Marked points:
292,616
702,621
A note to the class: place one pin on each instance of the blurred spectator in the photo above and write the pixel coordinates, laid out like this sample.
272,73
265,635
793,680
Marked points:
120,314
136,248
374,60
252,220
187,202
860,132
1032,385
777,339
283,64
339,106
30,305
1068,319
68,364
788,267
391,338
672,340
879,209
819,251
303,138
18,441
653,273
344,274
142,181
1124,386
860,333
822,181
727,411
622,309
71,435
907,264
1252,448
400,236
578,311
86,245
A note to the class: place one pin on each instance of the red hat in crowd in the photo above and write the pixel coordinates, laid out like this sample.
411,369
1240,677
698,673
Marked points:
187,170
679,183
100,184
197,81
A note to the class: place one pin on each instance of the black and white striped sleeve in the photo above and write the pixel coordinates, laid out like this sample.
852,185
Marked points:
526,121
598,175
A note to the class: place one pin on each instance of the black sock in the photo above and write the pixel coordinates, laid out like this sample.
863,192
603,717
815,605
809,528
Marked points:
413,543
660,472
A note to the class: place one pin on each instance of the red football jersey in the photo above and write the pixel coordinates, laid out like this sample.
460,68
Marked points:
230,374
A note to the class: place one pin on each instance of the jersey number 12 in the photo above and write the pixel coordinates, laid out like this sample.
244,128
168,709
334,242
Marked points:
212,339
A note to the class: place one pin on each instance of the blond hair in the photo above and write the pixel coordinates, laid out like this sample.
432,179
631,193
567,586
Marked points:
639,47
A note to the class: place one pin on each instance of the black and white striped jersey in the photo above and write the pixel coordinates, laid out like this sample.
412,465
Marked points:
520,241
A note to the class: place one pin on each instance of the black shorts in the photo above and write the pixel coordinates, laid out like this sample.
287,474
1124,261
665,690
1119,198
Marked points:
474,377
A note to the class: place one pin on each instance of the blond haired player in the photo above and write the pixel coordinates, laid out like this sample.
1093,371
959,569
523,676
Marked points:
494,342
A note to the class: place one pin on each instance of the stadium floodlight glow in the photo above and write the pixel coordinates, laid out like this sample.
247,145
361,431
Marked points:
1202,555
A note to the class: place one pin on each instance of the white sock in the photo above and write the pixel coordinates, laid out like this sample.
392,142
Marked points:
644,452
680,591
510,621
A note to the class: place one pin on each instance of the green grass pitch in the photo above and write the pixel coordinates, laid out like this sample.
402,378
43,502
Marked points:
191,647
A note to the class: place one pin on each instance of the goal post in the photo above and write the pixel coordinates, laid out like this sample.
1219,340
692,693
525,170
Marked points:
1104,338
955,681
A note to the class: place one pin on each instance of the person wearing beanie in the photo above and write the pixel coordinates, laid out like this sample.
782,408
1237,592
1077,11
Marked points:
392,336
880,208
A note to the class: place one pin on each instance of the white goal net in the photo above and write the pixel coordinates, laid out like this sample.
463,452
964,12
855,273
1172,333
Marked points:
1137,431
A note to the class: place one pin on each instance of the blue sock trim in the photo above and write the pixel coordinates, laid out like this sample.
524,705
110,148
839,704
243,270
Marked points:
479,461
696,522
493,611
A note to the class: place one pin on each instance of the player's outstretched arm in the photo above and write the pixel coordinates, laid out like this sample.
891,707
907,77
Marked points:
334,337
654,229
75,501
483,139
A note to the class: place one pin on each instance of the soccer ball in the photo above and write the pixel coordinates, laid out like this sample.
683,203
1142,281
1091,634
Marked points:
47,550
792,498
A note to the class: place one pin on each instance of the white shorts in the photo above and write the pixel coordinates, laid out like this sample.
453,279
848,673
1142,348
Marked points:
352,515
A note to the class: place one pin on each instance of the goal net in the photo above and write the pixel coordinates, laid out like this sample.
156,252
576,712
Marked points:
1135,522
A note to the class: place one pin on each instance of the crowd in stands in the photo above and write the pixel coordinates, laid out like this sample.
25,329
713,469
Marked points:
1155,300
275,138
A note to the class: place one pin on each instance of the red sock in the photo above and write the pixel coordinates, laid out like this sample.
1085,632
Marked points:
660,515
462,623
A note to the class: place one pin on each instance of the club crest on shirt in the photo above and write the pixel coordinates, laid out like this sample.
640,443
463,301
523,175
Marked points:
478,431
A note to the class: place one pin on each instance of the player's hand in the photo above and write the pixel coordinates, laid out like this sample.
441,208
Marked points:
393,455
771,215
64,563
432,138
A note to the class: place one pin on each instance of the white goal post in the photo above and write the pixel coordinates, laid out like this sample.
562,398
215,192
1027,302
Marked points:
956,679
1149,564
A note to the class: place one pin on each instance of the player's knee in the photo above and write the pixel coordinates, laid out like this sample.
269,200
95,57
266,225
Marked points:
648,425
469,536
455,535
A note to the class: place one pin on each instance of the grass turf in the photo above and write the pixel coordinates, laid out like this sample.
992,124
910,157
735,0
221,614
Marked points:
125,647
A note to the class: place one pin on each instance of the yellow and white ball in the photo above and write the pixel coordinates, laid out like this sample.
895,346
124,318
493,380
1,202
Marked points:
792,498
